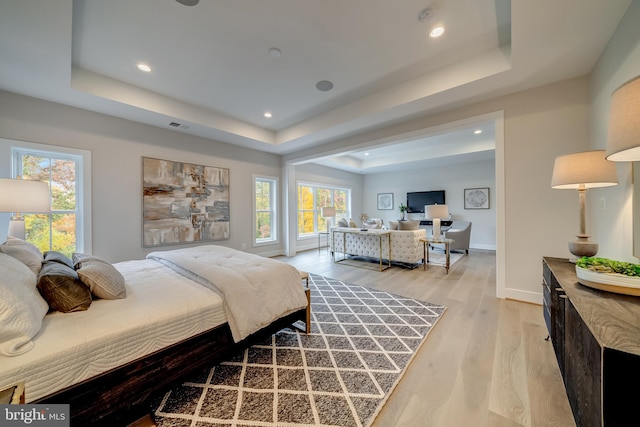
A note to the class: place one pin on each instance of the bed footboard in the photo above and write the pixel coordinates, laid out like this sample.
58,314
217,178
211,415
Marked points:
121,395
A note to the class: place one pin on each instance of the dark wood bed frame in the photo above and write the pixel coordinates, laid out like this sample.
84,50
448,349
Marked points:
123,394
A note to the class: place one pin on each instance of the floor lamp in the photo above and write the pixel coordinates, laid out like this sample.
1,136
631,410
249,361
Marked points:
328,212
436,213
580,171
21,195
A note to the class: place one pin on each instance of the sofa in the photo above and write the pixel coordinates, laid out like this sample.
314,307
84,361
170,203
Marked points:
406,247
460,231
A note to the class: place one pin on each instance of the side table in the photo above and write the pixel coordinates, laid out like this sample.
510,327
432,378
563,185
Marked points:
326,234
441,241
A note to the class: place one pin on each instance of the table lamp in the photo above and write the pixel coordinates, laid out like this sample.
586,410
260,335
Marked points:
579,171
436,213
328,212
21,195
623,137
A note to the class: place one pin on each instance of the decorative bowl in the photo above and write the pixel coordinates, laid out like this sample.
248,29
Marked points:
610,282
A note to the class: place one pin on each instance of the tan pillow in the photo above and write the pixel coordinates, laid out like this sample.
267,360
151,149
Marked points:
393,225
24,252
352,224
408,225
104,280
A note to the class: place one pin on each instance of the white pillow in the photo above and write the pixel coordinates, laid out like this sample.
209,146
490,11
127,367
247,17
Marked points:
24,252
22,308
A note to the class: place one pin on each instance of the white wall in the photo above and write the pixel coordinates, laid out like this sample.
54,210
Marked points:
453,178
117,148
612,226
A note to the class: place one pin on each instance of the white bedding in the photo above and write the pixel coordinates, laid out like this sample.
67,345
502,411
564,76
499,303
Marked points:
162,307
256,290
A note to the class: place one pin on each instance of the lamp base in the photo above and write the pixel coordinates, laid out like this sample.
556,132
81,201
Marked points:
582,247
16,227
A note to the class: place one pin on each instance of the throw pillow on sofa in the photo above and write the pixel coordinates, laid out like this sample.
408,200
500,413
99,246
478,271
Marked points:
408,225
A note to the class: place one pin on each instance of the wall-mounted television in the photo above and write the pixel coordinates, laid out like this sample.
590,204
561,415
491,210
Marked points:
418,199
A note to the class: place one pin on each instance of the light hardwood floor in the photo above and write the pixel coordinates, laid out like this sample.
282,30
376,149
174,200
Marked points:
486,363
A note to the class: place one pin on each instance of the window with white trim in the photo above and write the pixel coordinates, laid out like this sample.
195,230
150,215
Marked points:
312,198
265,209
61,229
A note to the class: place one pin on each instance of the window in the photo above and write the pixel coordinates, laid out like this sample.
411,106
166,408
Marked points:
265,203
311,199
61,229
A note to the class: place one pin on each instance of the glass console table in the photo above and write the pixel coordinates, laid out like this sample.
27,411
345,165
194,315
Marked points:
382,235
440,241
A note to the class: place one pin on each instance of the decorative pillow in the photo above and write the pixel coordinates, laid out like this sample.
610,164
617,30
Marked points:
54,256
21,307
24,252
352,224
60,286
101,277
408,225
342,222
393,225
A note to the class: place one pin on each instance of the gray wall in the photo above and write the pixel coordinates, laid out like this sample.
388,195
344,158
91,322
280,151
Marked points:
117,148
612,226
453,178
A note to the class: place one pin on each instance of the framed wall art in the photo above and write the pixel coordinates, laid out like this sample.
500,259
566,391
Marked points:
183,202
385,201
476,198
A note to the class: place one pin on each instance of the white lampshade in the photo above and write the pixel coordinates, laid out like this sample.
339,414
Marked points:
21,195
328,211
436,211
623,139
588,169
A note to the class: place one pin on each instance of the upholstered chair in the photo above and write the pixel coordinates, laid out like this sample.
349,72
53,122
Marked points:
460,231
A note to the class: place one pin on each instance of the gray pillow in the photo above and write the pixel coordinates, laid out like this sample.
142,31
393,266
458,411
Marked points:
393,225
54,256
59,285
102,278
342,222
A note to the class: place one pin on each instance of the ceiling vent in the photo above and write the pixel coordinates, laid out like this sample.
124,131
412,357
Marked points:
175,125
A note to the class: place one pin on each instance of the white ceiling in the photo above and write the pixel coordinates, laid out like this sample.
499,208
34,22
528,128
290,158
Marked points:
212,72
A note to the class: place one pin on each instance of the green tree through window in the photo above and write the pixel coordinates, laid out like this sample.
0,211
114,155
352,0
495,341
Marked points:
312,198
56,230
265,209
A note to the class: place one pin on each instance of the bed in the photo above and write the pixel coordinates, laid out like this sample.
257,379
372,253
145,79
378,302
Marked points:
177,317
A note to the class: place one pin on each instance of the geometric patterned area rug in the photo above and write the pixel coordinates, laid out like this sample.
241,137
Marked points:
341,374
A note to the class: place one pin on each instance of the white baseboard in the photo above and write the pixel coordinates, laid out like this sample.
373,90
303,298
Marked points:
524,296
482,246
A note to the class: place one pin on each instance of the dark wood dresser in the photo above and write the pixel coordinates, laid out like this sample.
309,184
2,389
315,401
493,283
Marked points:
596,339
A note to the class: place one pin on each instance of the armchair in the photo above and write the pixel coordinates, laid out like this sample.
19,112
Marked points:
460,231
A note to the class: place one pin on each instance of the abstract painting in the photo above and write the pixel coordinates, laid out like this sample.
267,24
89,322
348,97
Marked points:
476,198
183,202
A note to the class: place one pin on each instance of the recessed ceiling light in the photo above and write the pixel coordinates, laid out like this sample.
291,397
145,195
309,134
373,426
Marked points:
324,85
437,31
267,115
477,131
275,52
188,2
144,67
366,154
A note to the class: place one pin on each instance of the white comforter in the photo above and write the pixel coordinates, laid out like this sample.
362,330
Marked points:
256,290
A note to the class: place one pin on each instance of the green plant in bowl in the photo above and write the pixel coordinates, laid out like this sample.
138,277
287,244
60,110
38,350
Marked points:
605,265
